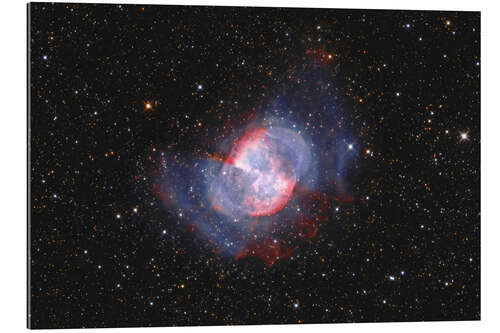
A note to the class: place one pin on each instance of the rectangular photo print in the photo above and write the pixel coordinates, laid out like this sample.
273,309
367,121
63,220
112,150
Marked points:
193,166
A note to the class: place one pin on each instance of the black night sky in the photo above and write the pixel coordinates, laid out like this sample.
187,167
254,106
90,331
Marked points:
225,165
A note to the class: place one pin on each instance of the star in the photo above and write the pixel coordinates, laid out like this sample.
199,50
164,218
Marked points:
464,136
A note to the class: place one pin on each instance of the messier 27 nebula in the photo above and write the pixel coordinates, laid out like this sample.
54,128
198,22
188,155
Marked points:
268,183
228,165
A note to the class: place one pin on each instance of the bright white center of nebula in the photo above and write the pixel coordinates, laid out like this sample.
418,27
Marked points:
259,176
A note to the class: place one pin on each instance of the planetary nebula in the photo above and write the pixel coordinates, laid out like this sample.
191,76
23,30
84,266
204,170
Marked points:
263,187
259,175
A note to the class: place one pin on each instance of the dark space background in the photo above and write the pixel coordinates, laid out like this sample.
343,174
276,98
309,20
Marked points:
112,84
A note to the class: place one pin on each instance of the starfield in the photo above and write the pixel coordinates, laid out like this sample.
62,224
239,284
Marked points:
230,165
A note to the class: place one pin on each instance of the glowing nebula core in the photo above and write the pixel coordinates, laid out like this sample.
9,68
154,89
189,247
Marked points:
261,188
259,175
